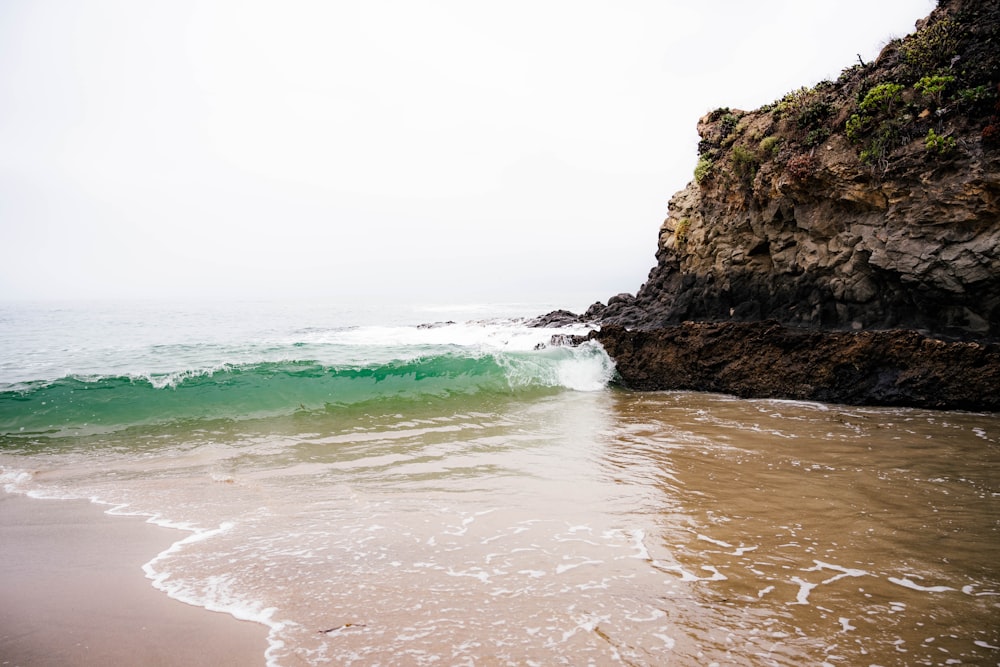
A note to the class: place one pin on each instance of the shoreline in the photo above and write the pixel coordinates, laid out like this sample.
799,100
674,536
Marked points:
74,592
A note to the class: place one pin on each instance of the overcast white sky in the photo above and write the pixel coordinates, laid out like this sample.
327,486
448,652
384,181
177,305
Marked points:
428,150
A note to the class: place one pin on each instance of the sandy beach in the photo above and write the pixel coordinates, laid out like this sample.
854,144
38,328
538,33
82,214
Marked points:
72,592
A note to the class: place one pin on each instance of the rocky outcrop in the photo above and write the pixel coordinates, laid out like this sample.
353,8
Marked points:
831,243
766,359
870,202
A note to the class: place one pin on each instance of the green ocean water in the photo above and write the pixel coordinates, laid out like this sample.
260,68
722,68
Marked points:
89,405
208,370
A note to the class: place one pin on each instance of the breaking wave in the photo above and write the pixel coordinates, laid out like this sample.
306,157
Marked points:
81,405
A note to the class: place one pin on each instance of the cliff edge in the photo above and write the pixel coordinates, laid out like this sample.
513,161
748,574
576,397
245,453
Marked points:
869,202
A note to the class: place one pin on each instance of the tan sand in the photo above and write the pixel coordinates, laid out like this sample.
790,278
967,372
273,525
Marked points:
72,592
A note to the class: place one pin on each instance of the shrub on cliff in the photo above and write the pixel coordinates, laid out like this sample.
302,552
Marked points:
769,146
880,100
745,162
932,46
876,126
703,169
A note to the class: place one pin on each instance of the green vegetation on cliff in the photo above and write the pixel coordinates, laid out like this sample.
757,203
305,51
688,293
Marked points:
938,86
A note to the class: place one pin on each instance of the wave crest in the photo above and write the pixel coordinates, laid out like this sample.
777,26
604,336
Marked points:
86,405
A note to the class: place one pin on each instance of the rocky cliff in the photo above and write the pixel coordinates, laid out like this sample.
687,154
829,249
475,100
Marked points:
841,244
869,202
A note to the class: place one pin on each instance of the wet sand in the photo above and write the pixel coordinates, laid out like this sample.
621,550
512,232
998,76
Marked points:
72,592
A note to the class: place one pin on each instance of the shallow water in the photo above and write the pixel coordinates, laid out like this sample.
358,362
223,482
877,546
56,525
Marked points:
394,494
577,527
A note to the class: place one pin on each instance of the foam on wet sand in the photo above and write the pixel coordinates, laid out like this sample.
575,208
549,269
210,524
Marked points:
73,592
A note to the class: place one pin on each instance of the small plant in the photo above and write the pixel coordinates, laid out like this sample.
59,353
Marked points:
792,101
681,231
933,87
880,99
850,72
817,136
745,162
769,146
703,169
813,113
980,96
886,137
875,126
855,128
716,114
991,134
802,166
729,122
932,46
939,144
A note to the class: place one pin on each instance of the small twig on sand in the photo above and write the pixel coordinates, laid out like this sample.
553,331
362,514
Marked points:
341,627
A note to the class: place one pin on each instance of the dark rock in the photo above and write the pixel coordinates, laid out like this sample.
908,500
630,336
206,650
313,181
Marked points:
435,325
565,340
766,359
596,311
557,318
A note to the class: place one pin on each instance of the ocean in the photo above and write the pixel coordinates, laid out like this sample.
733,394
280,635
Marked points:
440,484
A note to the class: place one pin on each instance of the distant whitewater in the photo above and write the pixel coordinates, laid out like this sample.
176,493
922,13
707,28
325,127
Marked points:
272,371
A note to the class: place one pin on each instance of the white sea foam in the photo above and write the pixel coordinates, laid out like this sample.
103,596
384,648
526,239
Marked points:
844,571
214,593
909,583
566,567
805,587
639,542
586,372
688,576
586,367
720,543
655,615
510,335
13,480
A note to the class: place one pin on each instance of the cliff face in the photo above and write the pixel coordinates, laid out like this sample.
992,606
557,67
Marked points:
869,202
